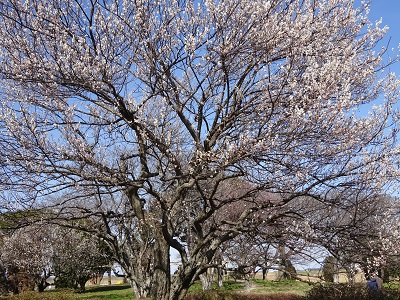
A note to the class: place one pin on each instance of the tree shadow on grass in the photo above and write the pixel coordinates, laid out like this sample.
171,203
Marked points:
103,288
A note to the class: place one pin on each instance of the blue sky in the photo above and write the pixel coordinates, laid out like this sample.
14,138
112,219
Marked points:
389,11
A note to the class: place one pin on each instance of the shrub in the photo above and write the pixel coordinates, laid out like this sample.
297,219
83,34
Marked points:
336,292
276,296
220,295
61,295
210,295
349,292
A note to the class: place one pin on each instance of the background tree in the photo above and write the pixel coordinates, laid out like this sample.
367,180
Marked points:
262,246
77,258
151,101
26,255
240,256
330,269
31,254
255,253
361,234
4,288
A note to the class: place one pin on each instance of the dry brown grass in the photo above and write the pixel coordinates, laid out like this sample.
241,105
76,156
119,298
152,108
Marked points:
214,295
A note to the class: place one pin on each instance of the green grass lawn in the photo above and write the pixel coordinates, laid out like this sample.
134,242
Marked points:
259,286
110,292
113,292
289,286
124,292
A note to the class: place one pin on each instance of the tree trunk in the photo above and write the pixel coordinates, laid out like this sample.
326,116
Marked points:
282,259
41,285
351,274
264,273
220,276
384,274
206,280
81,283
247,283
109,276
336,277
161,280
140,291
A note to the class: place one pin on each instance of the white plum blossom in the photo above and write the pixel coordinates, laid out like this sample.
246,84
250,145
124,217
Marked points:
170,106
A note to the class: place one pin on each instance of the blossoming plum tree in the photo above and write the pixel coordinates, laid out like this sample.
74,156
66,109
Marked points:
164,103
26,254
31,254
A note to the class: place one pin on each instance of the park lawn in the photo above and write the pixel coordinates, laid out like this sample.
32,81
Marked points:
47,295
113,292
124,292
259,286
229,285
289,286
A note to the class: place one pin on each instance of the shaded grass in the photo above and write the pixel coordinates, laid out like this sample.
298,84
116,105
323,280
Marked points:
109,292
48,295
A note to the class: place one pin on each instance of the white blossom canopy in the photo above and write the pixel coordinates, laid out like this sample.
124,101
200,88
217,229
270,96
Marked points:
155,99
